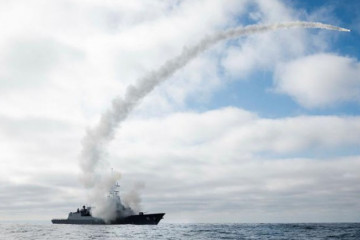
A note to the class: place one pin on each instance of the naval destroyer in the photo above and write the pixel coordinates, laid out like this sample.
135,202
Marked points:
124,215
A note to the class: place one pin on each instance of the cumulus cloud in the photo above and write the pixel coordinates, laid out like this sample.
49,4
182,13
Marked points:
89,52
282,190
320,80
215,161
261,52
231,133
233,154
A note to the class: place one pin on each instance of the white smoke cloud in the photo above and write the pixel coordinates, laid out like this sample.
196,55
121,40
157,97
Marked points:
96,139
132,198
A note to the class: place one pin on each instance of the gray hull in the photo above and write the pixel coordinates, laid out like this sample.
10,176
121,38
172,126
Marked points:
144,219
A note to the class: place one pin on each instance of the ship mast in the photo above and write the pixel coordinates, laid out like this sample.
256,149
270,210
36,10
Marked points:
114,190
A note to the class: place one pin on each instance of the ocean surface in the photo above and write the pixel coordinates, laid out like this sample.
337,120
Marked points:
306,231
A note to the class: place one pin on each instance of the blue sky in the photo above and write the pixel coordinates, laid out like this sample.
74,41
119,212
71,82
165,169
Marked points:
262,128
255,92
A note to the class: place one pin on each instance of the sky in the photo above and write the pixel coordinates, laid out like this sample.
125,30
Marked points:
261,128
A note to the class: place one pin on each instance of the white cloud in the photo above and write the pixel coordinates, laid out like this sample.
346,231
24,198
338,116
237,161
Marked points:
262,51
320,80
81,54
223,161
226,134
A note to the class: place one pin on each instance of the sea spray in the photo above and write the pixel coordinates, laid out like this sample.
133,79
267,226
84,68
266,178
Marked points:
94,144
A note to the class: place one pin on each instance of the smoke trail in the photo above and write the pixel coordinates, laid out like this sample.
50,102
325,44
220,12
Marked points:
96,139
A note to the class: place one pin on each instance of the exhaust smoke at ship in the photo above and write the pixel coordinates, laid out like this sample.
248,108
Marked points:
93,154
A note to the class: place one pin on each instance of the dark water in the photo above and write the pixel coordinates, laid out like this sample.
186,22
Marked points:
183,231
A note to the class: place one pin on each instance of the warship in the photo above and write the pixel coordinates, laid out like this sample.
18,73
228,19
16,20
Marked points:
124,215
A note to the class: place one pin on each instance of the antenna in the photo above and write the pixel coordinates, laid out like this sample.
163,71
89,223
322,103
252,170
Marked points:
114,189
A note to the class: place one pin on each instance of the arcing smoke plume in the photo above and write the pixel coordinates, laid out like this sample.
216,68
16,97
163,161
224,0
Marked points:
96,139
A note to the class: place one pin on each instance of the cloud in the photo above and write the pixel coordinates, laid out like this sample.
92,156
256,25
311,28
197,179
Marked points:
229,133
233,162
320,80
84,53
283,190
229,161
262,51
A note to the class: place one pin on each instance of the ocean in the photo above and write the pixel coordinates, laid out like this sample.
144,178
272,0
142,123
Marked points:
308,231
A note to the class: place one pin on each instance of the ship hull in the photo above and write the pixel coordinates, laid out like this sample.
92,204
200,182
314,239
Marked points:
144,219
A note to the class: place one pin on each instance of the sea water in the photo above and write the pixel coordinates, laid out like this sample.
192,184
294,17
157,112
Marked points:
306,231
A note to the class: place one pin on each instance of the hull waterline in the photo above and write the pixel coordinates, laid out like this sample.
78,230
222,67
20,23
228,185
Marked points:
141,219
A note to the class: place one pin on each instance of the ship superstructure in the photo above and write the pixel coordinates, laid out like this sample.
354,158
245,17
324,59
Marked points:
123,215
